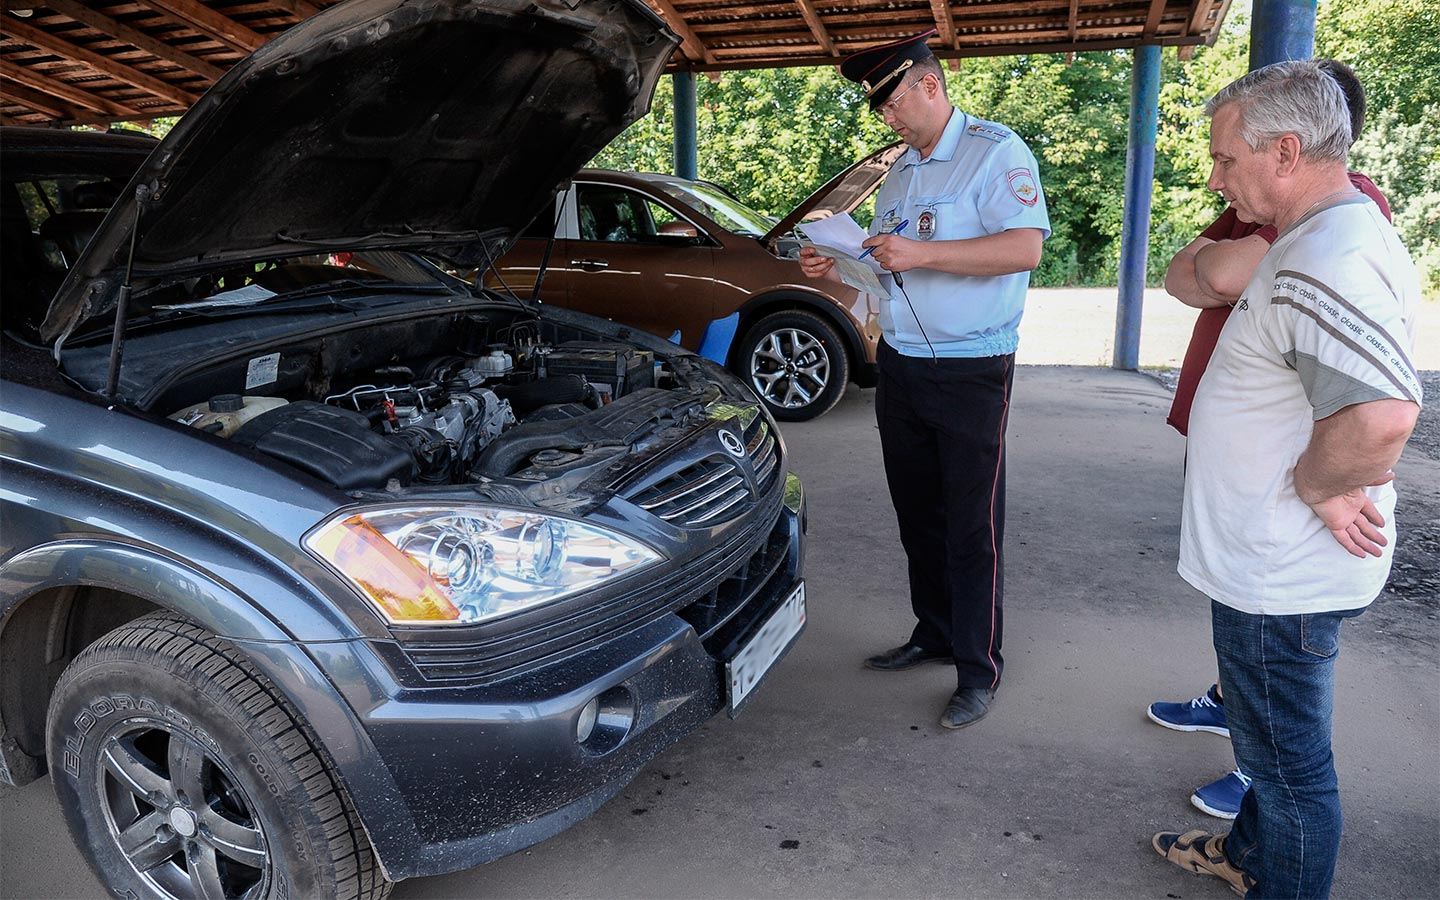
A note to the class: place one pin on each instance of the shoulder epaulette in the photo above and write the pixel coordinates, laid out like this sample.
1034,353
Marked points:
990,131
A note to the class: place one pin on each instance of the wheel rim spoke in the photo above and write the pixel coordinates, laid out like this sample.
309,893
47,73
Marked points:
187,766
134,771
143,844
205,872
241,843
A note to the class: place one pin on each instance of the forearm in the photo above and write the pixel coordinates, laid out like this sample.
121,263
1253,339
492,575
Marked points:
1181,281
1015,250
1223,269
1353,448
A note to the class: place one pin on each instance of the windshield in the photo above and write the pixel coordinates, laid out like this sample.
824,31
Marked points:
725,210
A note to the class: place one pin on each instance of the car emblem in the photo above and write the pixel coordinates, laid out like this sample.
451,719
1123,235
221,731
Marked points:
732,444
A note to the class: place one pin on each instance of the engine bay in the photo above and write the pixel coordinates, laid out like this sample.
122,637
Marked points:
520,404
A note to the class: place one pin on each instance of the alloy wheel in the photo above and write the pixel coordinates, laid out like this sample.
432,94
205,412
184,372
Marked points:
182,822
789,368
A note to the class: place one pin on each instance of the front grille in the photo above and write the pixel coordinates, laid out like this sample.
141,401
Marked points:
700,494
696,495
764,455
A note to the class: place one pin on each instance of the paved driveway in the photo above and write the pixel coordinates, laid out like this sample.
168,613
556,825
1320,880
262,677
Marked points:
837,782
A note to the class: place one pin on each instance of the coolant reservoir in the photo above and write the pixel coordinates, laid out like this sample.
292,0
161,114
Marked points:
224,413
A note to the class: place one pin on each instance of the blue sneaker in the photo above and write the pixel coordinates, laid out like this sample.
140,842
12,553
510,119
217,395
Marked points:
1204,713
1222,798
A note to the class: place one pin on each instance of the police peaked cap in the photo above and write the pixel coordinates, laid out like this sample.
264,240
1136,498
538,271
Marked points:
880,70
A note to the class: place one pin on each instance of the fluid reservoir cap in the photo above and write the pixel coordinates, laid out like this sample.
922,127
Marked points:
227,403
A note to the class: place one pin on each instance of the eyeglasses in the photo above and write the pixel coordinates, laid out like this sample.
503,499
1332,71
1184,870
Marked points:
892,105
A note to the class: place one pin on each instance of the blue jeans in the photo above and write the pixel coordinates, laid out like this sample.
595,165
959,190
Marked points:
1278,678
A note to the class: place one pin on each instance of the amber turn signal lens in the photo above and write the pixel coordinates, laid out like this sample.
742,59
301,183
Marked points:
395,582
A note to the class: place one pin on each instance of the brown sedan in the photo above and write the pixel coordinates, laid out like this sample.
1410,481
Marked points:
688,261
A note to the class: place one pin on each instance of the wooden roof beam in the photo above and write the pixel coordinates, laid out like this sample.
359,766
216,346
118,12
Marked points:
817,27
49,84
300,9
944,22
43,104
1152,21
209,22
56,44
690,44
78,12
1074,19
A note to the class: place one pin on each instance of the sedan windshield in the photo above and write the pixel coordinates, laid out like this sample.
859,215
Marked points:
725,210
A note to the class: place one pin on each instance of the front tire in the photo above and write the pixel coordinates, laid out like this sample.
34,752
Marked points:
183,772
796,362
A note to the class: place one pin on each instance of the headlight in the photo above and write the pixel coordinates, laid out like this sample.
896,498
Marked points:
430,565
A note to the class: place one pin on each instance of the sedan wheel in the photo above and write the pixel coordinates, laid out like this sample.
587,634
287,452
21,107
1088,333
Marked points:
796,362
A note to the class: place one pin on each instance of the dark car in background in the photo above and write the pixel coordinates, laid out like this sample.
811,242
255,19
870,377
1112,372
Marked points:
320,568
687,260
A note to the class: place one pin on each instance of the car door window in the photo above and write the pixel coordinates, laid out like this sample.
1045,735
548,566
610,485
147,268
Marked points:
615,215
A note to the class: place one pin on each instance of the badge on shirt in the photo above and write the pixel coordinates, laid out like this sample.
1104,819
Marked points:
925,225
889,221
1022,185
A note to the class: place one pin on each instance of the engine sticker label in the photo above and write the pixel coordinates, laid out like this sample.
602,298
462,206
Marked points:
263,370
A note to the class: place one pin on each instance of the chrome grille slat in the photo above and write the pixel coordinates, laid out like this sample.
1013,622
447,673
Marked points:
704,502
734,499
688,487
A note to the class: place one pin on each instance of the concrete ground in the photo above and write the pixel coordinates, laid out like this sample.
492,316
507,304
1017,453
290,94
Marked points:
837,781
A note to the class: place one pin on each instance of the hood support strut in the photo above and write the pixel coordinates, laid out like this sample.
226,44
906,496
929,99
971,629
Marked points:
122,304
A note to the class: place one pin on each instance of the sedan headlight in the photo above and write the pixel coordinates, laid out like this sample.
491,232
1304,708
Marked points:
427,565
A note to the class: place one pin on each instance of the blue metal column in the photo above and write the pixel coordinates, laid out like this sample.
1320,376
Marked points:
1139,178
686,154
1281,30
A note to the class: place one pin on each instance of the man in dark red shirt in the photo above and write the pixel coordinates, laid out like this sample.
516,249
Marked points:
1210,273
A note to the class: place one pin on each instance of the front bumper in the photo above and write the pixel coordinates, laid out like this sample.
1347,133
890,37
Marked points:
485,769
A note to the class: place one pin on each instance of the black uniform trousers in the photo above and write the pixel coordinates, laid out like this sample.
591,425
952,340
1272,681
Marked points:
942,431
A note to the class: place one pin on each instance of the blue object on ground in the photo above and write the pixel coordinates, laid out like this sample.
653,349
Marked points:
1222,798
1204,713
719,335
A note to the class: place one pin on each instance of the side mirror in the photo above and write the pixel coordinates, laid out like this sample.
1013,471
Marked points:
679,229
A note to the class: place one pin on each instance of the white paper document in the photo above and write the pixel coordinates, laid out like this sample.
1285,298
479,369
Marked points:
839,238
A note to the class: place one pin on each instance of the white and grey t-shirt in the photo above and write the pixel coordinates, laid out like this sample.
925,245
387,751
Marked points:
1328,320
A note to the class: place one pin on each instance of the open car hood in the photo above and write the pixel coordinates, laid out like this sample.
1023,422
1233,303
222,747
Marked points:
842,194
441,126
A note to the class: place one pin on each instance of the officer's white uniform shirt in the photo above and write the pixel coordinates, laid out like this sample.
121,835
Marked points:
980,179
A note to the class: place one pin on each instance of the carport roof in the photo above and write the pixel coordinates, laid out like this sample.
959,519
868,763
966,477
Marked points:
99,61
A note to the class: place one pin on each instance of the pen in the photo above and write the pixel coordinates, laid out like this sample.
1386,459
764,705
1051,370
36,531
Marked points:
896,230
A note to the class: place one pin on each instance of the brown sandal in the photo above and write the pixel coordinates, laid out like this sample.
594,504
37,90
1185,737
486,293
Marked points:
1204,854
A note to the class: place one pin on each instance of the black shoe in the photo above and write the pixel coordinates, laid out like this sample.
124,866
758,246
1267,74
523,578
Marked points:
967,706
905,656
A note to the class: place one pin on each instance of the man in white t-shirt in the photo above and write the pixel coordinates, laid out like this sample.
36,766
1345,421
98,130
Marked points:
1288,521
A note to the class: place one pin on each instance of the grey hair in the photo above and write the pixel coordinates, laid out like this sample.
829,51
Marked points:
1294,97
931,66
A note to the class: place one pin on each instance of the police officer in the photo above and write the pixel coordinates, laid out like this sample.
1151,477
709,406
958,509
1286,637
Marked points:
958,225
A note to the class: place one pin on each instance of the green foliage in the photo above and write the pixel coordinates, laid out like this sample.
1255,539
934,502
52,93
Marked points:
772,136
1404,162
1393,45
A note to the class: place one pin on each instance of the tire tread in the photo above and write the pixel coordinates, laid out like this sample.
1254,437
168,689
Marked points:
185,647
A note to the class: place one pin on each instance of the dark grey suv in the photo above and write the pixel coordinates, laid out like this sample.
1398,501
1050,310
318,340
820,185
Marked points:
319,568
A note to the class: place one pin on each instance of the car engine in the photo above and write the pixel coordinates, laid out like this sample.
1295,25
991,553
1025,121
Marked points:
526,411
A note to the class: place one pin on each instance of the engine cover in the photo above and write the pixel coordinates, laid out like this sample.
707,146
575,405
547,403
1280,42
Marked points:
336,445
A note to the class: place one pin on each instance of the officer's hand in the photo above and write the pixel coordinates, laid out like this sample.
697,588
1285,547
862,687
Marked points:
894,253
813,264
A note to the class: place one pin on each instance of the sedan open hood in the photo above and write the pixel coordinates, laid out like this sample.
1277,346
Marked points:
842,194
434,125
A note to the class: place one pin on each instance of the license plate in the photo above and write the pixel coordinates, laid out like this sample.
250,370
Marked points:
745,671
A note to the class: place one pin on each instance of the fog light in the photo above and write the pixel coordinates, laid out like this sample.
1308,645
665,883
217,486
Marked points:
588,717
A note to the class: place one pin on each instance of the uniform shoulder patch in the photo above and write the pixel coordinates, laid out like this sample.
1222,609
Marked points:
990,131
1022,185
